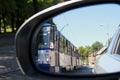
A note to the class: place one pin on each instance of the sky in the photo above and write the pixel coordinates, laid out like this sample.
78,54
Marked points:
84,26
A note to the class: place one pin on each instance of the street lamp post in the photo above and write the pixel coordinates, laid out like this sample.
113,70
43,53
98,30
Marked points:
63,27
107,33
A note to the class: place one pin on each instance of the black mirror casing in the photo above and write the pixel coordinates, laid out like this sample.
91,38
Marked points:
27,32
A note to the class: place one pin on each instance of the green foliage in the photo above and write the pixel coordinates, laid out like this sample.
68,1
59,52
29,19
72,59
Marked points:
14,12
87,50
47,3
7,6
97,46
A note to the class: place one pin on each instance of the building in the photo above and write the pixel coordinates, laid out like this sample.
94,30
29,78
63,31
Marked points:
93,57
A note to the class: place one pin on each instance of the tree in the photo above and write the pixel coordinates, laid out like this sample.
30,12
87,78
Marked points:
36,6
12,14
96,46
39,5
85,51
5,11
15,12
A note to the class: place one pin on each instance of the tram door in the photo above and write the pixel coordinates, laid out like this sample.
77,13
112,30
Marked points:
57,55
54,54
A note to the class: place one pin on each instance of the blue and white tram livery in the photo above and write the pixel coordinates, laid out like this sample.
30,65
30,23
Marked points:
44,47
55,52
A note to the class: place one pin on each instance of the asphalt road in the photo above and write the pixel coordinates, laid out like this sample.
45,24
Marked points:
85,70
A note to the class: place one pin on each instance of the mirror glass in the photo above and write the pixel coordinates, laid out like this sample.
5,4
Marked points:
77,41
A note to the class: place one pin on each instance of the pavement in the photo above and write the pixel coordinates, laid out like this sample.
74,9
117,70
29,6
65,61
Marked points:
8,60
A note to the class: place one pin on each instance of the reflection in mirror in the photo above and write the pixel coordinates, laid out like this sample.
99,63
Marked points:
74,41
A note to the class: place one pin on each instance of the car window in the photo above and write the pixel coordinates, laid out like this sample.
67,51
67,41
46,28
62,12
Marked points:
117,46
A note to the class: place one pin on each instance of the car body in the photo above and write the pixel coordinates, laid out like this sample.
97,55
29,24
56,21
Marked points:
110,61
27,33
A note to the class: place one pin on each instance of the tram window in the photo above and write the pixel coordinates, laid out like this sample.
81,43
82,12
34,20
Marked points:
51,35
63,44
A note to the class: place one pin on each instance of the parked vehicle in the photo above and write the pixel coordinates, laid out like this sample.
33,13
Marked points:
108,61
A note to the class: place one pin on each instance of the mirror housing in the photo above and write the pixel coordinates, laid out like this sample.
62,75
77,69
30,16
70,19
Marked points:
27,32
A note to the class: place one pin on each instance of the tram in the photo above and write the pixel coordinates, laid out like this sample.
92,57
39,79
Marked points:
55,52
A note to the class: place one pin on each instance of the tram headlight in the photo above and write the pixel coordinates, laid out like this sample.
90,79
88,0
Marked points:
47,59
38,60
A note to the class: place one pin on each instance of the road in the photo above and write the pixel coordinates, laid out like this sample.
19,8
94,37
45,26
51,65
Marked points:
84,70
8,61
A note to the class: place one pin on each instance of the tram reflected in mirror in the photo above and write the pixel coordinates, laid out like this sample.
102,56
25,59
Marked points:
75,40
55,52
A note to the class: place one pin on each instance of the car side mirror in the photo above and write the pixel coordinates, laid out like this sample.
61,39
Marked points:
43,51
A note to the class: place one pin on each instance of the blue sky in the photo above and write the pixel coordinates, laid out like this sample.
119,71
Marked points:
84,26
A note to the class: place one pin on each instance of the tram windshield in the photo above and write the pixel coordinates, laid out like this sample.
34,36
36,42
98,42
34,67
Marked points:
44,38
